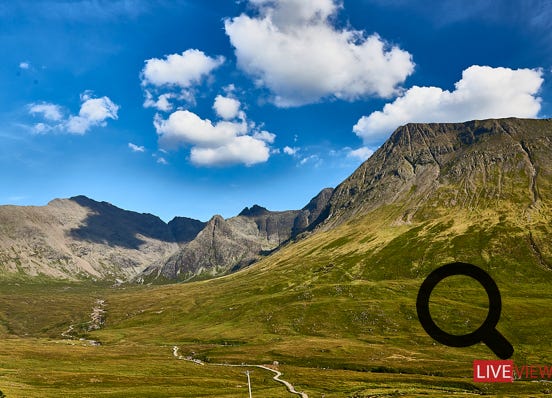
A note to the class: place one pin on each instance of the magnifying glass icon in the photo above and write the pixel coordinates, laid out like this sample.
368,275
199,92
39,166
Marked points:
487,332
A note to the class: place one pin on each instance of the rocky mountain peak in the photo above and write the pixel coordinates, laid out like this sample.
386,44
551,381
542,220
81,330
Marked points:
184,229
448,164
253,211
226,245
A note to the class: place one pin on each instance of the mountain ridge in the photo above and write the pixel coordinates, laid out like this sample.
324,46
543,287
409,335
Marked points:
423,171
406,161
77,238
81,238
227,245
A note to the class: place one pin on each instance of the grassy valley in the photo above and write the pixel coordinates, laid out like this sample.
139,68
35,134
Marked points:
336,310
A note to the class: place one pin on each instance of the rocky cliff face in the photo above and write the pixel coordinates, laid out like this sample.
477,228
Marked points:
225,246
185,229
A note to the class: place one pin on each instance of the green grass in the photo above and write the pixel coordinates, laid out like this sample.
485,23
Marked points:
47,368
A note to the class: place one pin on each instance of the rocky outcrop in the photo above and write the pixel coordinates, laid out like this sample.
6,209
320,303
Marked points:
225,246
313,213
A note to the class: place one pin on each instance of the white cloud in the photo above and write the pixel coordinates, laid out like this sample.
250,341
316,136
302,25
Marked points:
162,160
93,112
229,89
48,111
264,135
290,151
162,103
182,70
293,48
175,77
315,160
223,142
186,127
226,107
242,149
42,128
482,93
24,65
136,148
361,153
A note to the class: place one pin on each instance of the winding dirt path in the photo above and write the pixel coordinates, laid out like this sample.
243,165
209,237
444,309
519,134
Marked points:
288,385
277,374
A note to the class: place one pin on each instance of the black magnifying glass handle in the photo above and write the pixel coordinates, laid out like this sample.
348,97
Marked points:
498,344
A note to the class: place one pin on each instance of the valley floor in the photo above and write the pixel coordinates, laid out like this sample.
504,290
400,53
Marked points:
136,357
45,368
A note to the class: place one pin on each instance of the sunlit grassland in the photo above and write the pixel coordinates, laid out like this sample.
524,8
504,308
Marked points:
48,368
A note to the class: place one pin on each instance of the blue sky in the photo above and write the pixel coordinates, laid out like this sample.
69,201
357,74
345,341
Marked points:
194,107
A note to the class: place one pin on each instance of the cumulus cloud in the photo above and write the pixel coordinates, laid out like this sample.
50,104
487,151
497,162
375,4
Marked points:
241,149
136,148
223,142
175,77
226,107
361,153
184,126
49,111
42,128
293,48
265,136
482,93
161,104
93,112
24,65
182,70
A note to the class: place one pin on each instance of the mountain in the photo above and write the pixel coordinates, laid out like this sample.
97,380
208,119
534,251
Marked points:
185,229
79,238
485,175
225,246
478,192
423,168
312,213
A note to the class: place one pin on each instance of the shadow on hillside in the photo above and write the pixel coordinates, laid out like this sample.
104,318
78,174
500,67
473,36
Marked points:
110,225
